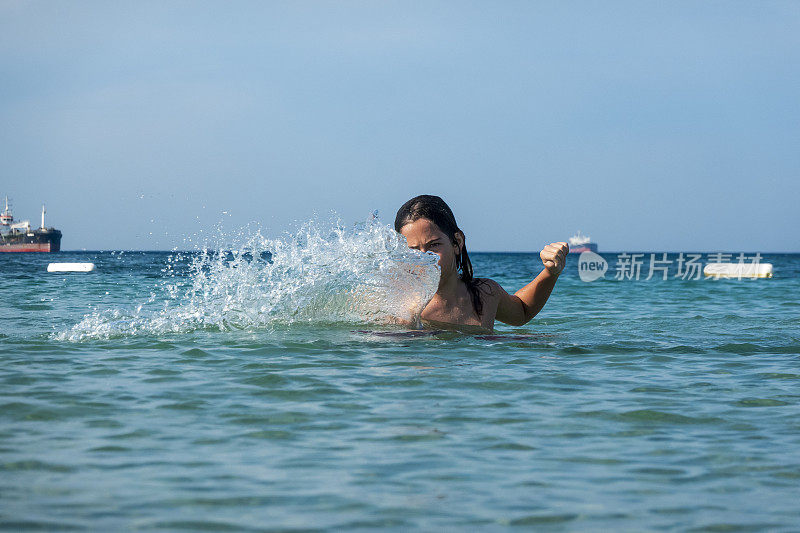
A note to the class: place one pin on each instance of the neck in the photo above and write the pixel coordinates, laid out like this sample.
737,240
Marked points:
449,287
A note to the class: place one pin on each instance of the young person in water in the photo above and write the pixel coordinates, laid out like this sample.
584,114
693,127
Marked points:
462,300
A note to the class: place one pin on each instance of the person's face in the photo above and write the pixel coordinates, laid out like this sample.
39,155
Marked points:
425,236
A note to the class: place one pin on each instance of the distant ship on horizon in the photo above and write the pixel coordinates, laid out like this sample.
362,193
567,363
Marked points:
19,237
580,243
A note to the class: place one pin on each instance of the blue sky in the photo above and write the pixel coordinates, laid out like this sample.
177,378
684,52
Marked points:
650,126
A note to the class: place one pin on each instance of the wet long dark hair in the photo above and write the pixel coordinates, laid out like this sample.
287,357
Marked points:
437,211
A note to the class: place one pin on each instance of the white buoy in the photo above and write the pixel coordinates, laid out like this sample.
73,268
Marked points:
738,270
70,267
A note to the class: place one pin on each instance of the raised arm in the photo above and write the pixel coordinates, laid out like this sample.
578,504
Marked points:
518,309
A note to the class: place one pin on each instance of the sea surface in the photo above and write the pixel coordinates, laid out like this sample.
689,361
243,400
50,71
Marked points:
187,391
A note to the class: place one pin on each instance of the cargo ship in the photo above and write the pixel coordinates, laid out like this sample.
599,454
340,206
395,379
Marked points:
580,243
19,237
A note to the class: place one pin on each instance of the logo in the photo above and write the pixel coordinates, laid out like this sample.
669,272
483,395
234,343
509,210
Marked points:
591,266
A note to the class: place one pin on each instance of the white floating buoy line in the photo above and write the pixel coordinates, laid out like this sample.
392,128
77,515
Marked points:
70,267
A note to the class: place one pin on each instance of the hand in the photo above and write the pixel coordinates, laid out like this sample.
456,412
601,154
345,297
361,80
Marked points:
554,257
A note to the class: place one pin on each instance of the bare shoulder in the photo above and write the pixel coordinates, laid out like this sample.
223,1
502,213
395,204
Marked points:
489,287
490,290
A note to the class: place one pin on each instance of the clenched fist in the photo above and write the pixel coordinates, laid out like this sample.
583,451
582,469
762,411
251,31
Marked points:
554,257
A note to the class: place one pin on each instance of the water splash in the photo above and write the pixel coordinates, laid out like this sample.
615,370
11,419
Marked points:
318,275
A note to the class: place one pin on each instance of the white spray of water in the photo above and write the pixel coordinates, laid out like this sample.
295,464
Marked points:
319,275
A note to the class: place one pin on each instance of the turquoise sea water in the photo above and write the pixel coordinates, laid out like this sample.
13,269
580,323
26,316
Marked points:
157,395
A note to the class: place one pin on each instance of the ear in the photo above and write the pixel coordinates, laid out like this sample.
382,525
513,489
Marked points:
460,239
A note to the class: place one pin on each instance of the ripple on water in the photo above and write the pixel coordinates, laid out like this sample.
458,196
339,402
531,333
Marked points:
737,527
760,402
35,465
651,416
273,418
25,411
195,353
194,525
267,381
40,525
542,519
779,375
741,348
